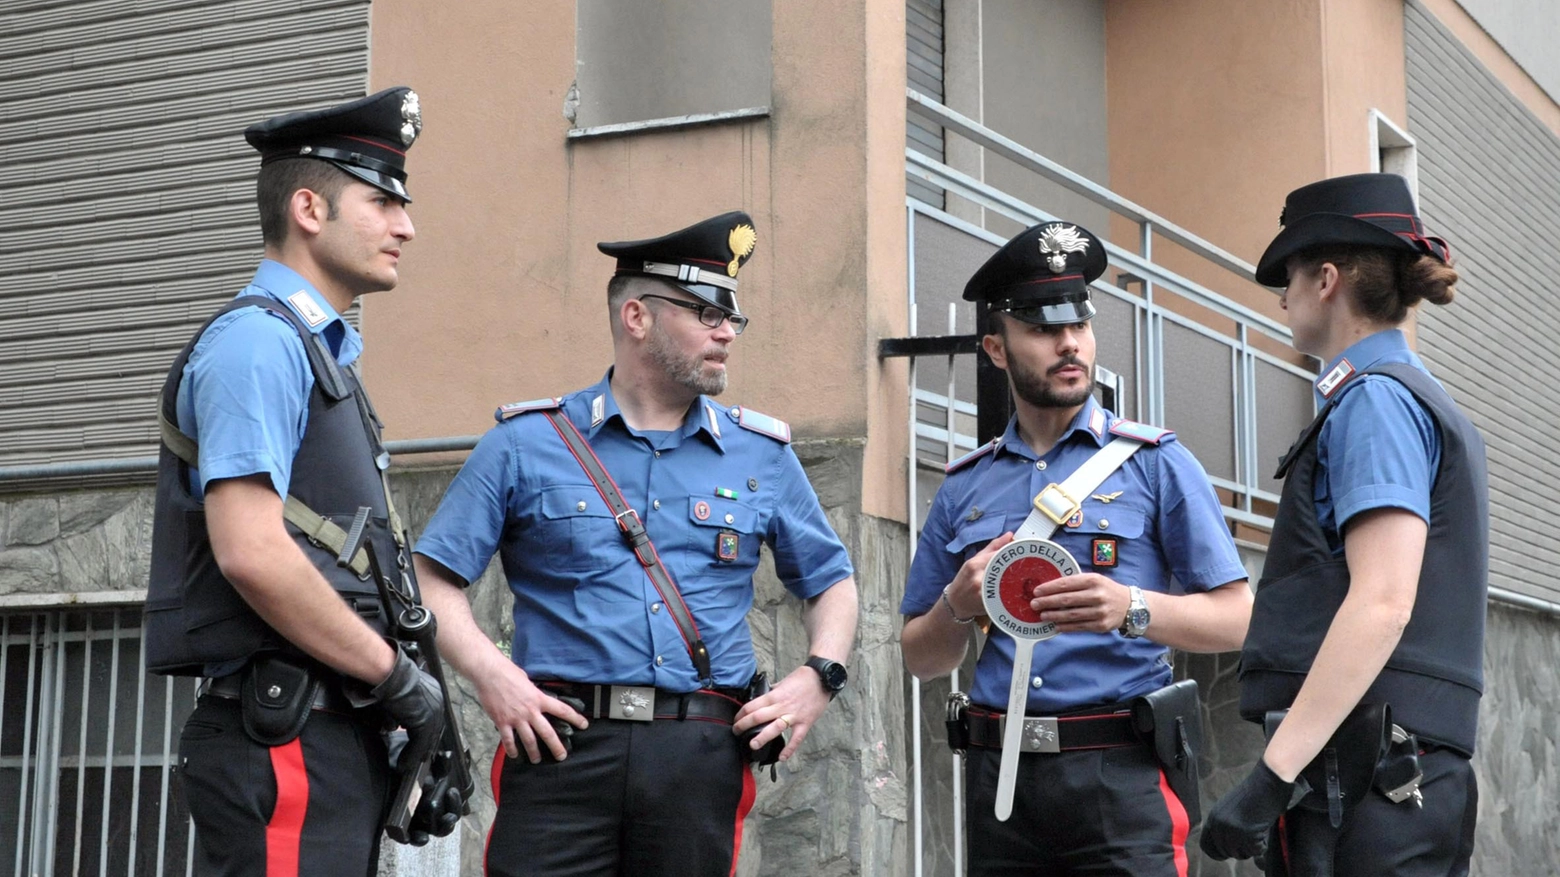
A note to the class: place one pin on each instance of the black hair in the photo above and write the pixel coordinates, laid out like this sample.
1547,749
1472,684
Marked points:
278,181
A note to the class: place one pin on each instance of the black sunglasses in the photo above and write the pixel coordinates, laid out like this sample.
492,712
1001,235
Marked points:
709,315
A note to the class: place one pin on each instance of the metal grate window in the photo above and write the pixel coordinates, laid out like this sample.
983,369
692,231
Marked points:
88,748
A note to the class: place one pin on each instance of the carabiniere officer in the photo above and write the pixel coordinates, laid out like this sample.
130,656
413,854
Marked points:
651,775
268,442
1091,796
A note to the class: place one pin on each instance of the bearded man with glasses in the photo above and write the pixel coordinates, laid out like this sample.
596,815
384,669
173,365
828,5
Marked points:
628,518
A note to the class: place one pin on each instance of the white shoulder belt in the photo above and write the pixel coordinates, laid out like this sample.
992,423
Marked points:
1058,502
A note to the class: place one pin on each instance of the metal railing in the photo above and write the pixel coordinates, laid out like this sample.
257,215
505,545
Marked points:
1152,278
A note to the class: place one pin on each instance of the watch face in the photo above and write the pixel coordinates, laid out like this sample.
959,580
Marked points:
833,675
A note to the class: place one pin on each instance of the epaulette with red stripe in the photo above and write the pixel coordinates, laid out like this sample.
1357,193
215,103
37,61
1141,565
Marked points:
1148,435
971,457
505,412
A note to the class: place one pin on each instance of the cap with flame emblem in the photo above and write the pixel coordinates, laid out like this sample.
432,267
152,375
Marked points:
703,258
1042,275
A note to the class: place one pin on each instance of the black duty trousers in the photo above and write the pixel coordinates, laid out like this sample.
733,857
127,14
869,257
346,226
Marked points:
1085,811
1381,839
644,799
314,806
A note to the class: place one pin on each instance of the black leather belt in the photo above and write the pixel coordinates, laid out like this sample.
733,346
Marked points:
642,703
329,697
1056,733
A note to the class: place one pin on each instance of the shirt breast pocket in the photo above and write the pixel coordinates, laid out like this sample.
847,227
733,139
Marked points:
1109,535
723,531
971,536
576,527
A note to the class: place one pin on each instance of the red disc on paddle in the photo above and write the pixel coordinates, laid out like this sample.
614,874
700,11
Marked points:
1019,581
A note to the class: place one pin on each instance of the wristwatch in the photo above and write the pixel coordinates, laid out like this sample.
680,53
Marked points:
831,673
1136,622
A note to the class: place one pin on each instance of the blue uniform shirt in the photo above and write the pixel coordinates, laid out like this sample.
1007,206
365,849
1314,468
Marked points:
584,609
1379,448
1166,521
244,396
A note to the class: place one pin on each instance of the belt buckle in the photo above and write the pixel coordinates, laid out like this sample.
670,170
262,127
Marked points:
1056,504
1040,734
631,703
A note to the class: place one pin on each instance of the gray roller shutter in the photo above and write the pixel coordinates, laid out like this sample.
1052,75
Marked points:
924,69
1489,182
127,193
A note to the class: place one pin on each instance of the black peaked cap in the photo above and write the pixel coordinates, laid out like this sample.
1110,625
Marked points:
1374,210
1042,275
368,138
703,258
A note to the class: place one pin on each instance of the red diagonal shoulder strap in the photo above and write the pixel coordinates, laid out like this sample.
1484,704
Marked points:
638,539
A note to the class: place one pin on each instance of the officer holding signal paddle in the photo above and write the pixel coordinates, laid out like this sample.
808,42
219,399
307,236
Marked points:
1122,553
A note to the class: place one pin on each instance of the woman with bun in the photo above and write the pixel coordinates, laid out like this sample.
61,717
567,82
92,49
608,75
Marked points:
1370,609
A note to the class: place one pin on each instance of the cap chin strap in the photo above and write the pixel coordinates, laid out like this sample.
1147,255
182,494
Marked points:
690,274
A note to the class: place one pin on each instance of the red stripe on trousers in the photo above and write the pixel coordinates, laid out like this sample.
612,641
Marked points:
744,807
496,774
1180,825
285,830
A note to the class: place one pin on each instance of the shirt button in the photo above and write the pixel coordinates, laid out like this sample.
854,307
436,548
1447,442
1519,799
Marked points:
656,505
1036,682
659,660
655,607
730,519
580,506
1040,464
1104,524
658,453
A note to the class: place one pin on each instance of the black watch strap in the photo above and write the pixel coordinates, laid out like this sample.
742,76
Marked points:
832,674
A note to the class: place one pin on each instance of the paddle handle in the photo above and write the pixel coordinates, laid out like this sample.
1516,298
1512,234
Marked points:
1012,735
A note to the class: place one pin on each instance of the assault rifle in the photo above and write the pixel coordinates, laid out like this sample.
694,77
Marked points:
433,795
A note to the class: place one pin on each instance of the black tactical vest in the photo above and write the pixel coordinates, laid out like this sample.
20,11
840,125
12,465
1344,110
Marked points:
1435,676
194,617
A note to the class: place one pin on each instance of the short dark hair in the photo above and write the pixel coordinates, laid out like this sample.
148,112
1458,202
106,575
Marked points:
280,179
1386,283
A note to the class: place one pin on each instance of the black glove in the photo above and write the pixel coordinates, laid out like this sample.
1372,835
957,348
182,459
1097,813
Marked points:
563,729
1237,826
439,810
413,700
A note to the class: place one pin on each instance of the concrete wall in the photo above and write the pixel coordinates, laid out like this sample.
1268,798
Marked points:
1212,139
503,292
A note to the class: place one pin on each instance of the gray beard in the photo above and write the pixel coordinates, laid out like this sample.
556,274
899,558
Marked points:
1033,388
685,370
